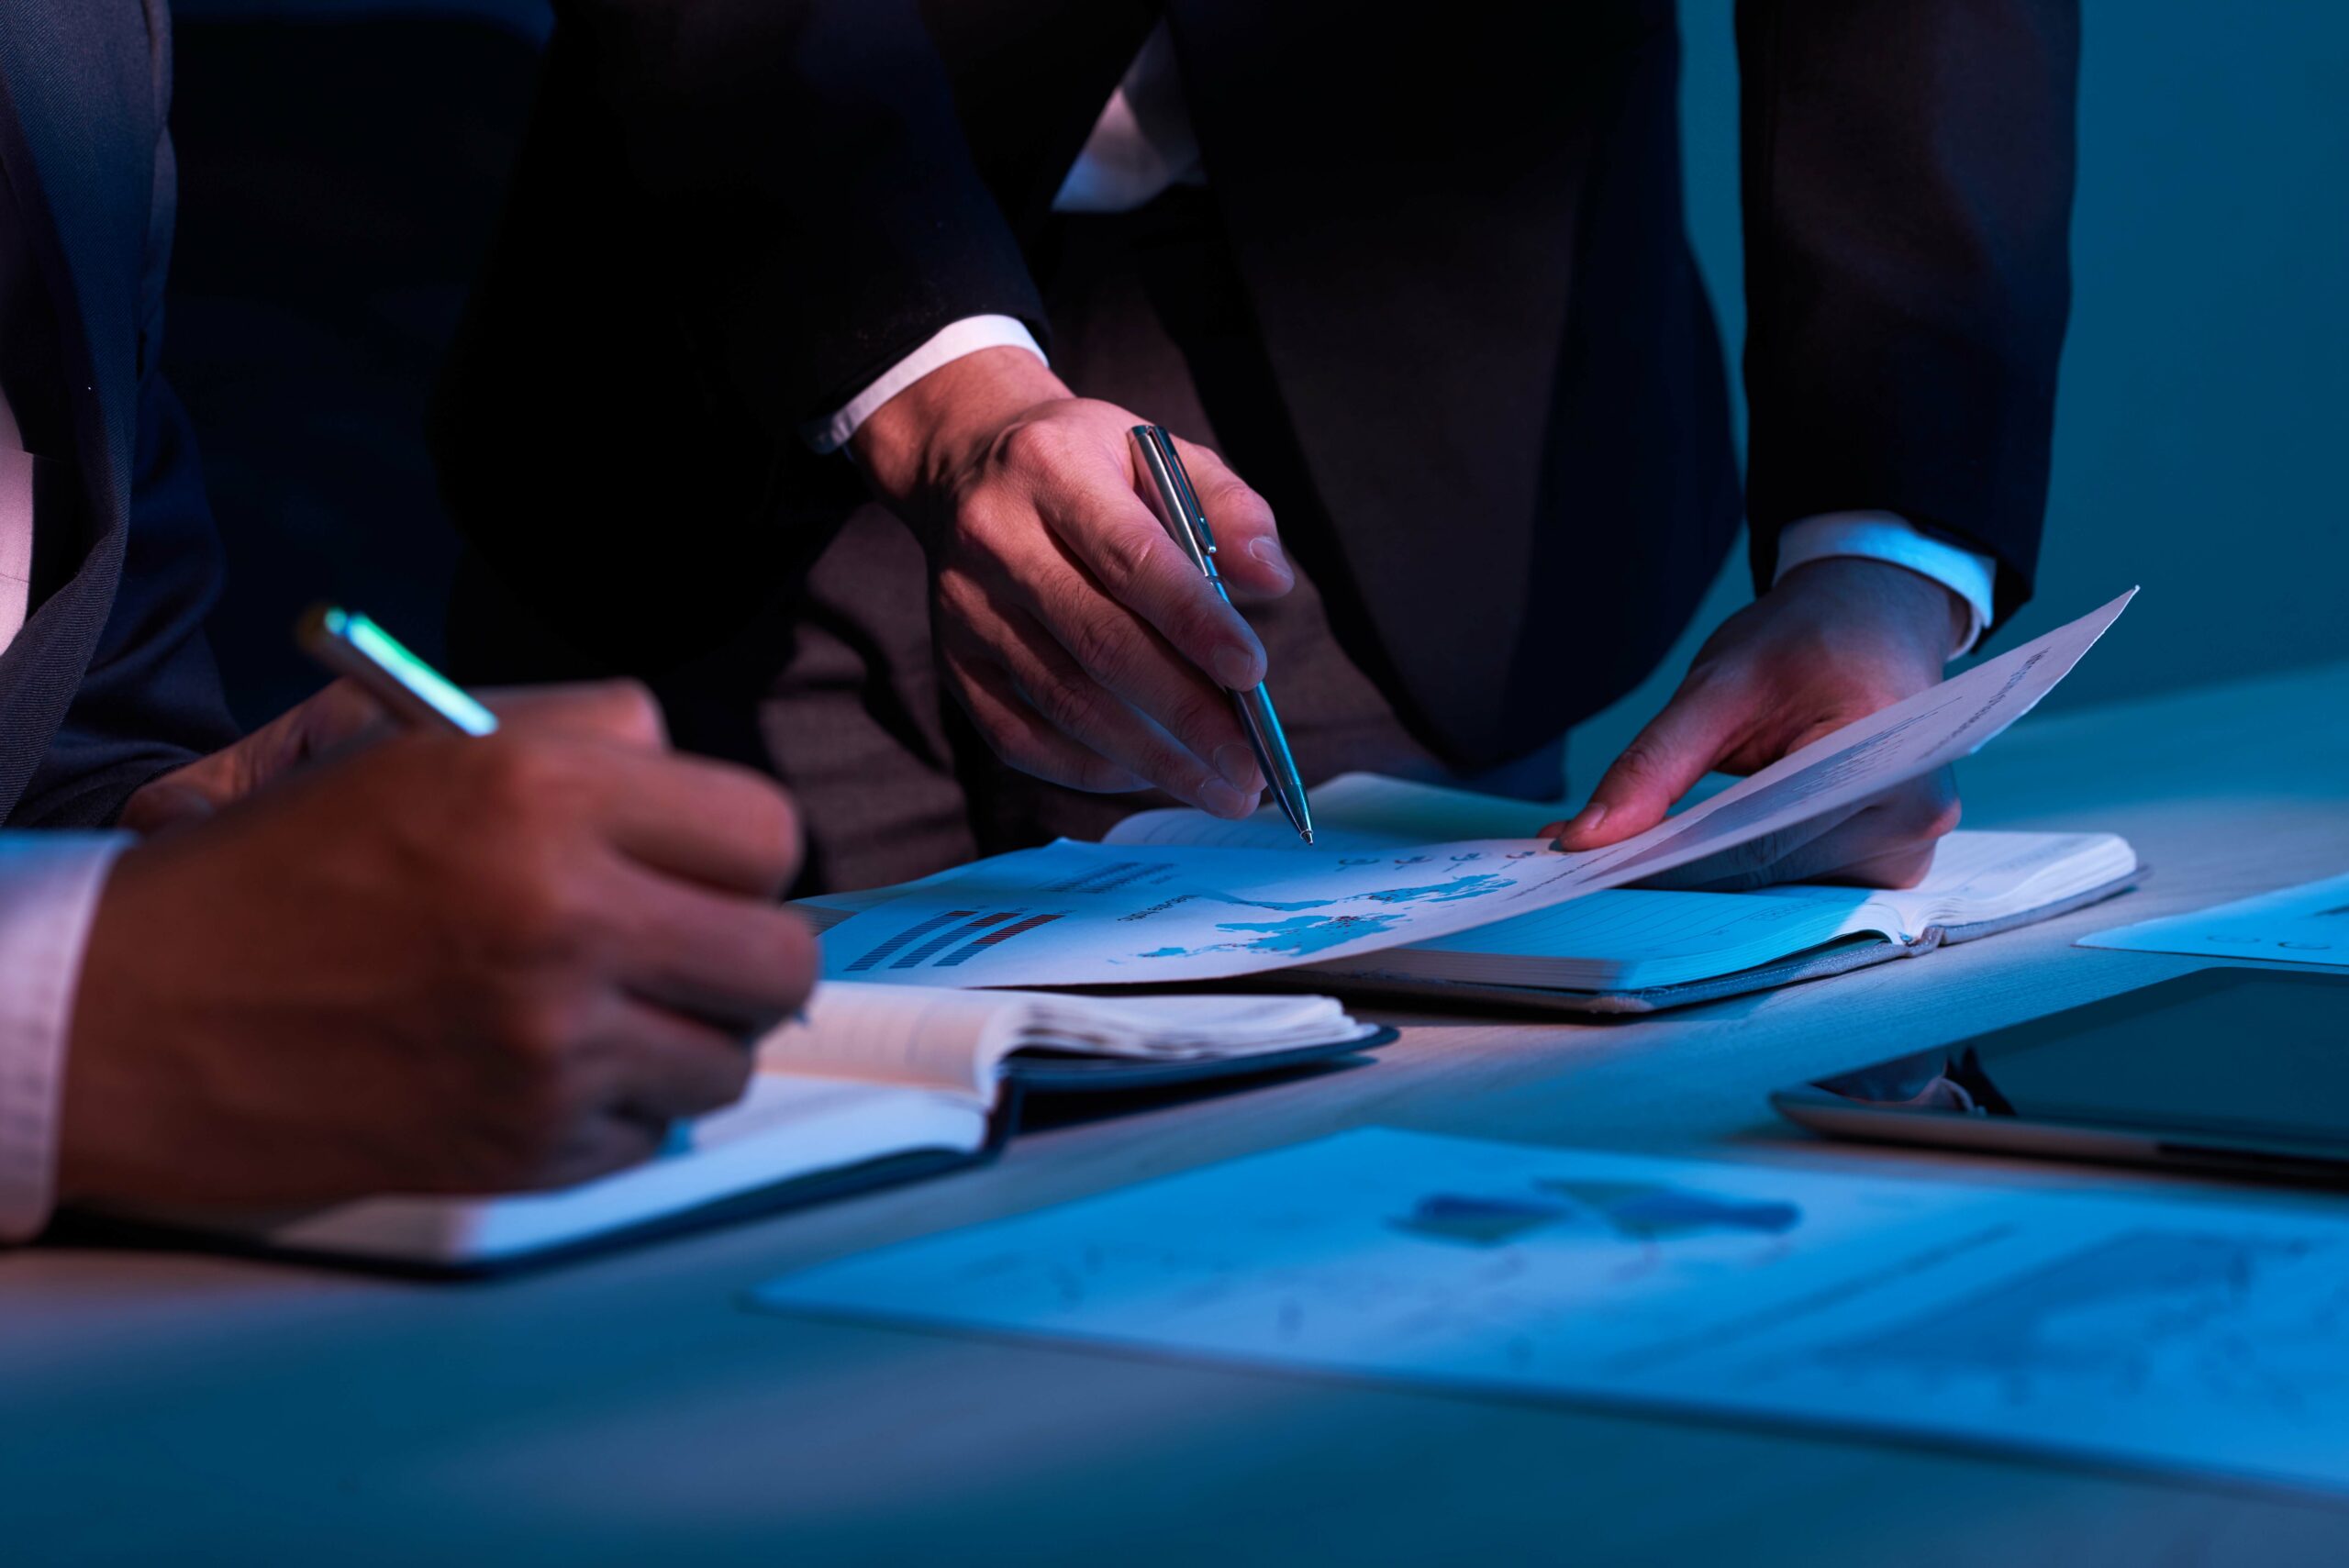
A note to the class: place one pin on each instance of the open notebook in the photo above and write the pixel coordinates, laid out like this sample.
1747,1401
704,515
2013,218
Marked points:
877,1084
1627,950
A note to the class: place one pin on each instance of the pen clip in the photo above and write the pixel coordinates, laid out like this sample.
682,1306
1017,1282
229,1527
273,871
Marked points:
1186,519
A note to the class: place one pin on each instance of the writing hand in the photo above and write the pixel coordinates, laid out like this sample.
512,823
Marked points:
1835,640
1085,646
341,714
434,964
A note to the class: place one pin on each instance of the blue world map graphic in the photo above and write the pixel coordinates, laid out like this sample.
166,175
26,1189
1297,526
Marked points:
1302,935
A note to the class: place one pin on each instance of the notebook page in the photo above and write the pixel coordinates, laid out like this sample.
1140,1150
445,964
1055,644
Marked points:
931,1039
956,1041
1184,1027
1987,876
1627,925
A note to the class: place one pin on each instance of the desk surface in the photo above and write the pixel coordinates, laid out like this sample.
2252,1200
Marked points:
629,1410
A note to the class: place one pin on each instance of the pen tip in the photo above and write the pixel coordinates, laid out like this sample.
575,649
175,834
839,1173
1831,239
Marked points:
1309,836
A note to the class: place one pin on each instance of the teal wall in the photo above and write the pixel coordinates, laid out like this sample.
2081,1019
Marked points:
2204,416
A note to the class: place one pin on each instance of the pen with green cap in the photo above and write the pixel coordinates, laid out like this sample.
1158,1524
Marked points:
1181,512
410,690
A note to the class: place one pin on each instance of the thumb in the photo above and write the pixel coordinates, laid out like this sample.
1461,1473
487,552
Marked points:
1696,728
1248,551
166,802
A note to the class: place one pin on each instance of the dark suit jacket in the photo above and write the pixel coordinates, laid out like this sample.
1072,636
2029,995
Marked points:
1459,229
109,682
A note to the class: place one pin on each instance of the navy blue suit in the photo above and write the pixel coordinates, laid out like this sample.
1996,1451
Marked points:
1456,235
110,681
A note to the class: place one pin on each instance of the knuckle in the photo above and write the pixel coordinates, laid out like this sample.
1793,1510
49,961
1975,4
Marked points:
1065,705
1203,722
1102,644
766,823
626,710
538,1027
974,521
515,780
1640,763
539,917
1130,556
1031,444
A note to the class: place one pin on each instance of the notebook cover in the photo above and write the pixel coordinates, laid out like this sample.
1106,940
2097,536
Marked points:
1839,957
800,1191
1096,1075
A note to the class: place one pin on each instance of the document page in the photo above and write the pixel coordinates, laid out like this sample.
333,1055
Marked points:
956,1041
2200,1338
2308,924
1076,914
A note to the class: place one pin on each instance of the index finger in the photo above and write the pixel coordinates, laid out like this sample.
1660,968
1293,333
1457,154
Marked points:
722,826
1123,545
625,713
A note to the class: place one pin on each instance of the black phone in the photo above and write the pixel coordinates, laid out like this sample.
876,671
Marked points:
2242,1070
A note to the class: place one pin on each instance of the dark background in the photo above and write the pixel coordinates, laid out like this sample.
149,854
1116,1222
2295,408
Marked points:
342,162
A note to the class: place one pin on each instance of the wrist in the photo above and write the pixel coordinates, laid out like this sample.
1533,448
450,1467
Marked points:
1941,617
918,443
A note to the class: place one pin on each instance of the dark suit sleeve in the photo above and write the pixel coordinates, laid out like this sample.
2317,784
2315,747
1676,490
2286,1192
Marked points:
1908,174
150,699
805,159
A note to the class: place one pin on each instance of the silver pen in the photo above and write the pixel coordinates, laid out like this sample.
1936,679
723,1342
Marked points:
1188,523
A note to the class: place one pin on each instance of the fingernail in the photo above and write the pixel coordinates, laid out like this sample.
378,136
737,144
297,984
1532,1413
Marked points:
1221,800
1588,817
1236,669
1238,766
1269,551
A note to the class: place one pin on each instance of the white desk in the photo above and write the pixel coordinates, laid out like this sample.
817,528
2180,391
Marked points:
160,1407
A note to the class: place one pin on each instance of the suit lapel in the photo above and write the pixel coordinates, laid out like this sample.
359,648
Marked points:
77,128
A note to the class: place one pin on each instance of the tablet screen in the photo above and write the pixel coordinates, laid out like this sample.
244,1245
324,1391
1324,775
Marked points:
2225,1053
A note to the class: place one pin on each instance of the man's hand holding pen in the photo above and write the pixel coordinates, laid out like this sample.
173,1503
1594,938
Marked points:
1084,645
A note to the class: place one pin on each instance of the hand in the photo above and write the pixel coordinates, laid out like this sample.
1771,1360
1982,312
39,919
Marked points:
335,716
1835,640
339,715
1082,641
437,964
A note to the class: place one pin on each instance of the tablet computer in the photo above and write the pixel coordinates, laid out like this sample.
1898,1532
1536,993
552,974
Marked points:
2240,1069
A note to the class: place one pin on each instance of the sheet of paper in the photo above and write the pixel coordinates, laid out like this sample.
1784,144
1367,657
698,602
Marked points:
2202,1338
1352,811
1096,914
2308,924
1633,926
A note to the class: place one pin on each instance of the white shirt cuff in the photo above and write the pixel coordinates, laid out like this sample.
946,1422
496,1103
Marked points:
950,343
1881,536
48,893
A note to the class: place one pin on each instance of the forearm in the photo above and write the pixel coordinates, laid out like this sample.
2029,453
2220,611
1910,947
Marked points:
809,157
1908,182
